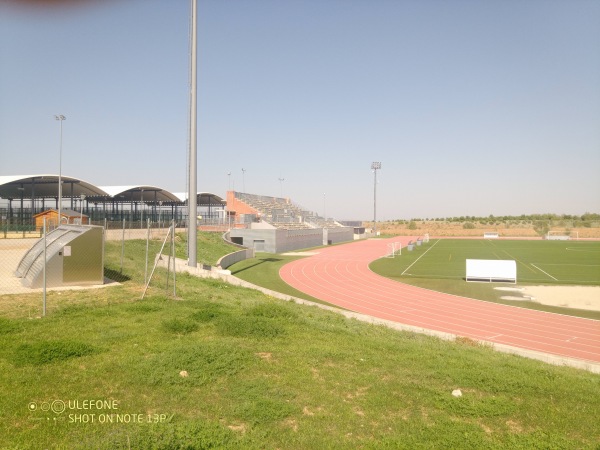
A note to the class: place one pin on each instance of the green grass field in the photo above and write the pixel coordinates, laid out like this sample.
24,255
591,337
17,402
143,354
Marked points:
539,262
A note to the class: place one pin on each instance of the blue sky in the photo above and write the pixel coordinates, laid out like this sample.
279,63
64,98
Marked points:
472,107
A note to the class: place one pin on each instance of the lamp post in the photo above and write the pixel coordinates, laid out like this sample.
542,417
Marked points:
375,166
60,118
244,179
281,180
193,153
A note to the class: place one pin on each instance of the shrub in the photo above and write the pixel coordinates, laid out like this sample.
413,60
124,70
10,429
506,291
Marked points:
273,311
256,327
7,326
172,436
180,326
45,352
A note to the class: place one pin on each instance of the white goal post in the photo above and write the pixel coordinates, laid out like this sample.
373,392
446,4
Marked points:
491,270
491,235
394,248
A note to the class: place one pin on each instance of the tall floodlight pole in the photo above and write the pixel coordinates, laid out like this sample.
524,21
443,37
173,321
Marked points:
244,179
375,166
60,118
281,180
192,188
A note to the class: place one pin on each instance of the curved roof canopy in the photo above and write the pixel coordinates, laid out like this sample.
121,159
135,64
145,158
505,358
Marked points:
140,193
46,186
203,199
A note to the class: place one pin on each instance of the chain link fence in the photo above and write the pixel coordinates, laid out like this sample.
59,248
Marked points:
43,272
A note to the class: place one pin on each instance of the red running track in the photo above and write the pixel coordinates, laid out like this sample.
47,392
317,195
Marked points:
341,276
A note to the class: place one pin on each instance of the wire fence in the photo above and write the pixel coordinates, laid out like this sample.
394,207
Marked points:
45,271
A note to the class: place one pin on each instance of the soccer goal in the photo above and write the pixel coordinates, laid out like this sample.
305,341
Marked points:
393,249
561,235
491,235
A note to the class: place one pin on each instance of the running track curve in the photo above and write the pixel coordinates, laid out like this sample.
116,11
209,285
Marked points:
341,276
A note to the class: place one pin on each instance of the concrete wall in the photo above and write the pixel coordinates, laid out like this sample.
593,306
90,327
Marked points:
337,235
235,257
290,240
280,241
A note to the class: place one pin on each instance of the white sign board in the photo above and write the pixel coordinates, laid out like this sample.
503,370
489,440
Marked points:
492,270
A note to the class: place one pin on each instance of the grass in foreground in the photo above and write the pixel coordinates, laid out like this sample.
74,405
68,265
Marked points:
261,373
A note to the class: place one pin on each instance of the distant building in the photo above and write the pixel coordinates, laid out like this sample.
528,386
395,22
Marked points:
68,217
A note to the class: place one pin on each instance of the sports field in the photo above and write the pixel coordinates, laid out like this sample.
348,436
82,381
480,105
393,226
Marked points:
546,262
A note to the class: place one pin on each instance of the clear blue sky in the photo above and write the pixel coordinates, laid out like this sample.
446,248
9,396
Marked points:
472,107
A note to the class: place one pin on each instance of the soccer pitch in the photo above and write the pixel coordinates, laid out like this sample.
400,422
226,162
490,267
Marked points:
548,262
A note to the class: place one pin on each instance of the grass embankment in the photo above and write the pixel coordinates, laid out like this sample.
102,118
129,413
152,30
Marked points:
261,373
263,270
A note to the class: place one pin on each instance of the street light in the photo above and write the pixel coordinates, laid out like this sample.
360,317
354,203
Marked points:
375,166
244,179
60,118
281,180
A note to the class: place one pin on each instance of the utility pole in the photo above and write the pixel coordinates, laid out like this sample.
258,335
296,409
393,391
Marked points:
60,118
193,170
375,166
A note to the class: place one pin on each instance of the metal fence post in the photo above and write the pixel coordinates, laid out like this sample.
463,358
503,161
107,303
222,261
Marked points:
44,271
122,245
147,244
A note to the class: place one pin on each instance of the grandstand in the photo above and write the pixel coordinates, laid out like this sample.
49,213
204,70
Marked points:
275,225
276,211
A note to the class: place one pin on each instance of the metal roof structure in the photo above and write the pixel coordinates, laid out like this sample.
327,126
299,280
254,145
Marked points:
46,186
203,199
141,193
13,187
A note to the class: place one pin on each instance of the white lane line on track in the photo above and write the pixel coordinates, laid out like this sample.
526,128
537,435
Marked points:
419,257
494,336
348,290
417,320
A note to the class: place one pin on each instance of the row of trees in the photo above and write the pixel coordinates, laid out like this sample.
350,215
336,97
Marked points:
587,217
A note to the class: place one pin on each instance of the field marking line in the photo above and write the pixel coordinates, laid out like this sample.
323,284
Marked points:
415,261
567,264
516,259
543,272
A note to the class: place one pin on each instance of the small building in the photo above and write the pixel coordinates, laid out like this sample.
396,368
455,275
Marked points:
69,217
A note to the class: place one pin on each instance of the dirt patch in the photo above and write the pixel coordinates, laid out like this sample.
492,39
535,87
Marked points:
580,297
